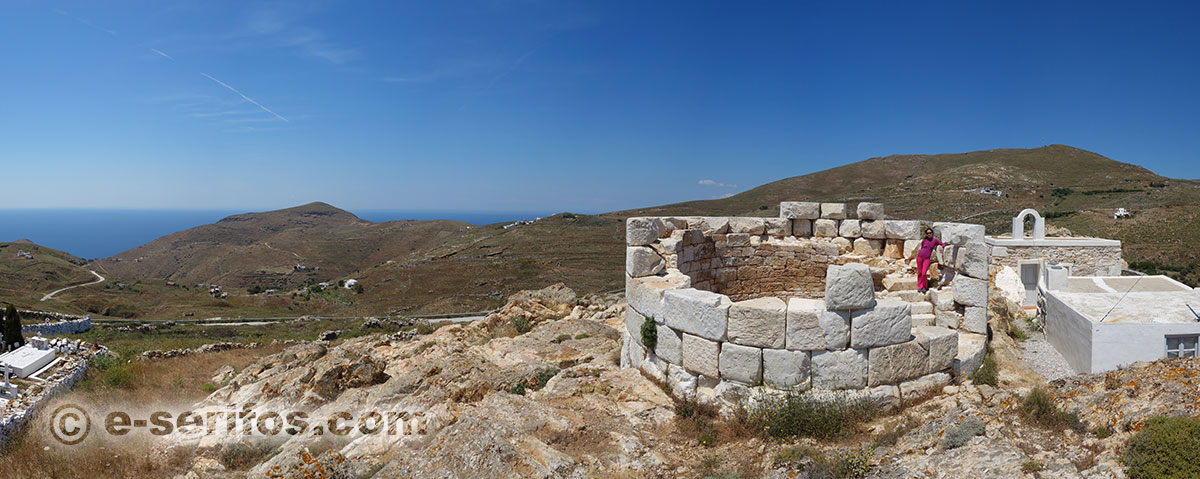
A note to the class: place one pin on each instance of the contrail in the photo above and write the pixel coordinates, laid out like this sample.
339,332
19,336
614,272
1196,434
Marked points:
243,95
164,55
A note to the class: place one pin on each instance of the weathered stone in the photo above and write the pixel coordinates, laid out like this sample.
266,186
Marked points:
902,229
896,363
971,349
702,313
887,323
893,249
893,282
924,385
642,261
870,211
741,363
701,355
799,210
942,345
873,229
646,295
633,324
709,225
734,240
959,233
654,367
970,291
835,211
844,369
911,247
754,226
943,299
803,327
669,345
922,307
641,231
835,326
849,229
778,227
682,382
849,287
784,369
826,228
975,319
801,227
844,245
923,320
973,260
758,322
948,319
868,247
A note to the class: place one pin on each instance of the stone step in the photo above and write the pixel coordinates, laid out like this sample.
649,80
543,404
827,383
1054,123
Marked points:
922,307
919,320
912,296
900,283
971,348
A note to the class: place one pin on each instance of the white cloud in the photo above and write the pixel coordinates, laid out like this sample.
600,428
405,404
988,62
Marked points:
714,183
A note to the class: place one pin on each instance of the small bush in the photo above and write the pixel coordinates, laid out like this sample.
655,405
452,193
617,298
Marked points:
521,323
987,373
424,327
1031,466
1167,448
649,334
1038,408
518,389
960,435
800,415
582,336
1017,333
851,464
103,361
208,387
543,376
118,376
1103,433
562,337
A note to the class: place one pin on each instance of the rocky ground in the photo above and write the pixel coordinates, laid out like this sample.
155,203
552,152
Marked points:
499,398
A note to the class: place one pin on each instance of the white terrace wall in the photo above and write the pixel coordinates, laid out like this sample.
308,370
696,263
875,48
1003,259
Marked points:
789,303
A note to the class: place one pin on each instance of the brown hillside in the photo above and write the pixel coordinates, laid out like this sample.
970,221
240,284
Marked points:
262,249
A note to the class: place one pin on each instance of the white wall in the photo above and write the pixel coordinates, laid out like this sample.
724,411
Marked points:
1120,344
1070,332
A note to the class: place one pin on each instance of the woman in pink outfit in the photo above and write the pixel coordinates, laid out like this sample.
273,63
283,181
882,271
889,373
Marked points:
923,255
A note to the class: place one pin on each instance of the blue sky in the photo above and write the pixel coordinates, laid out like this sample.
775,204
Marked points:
559,105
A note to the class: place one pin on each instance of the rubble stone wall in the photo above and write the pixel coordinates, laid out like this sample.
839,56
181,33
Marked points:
789,303
1084,260
58,327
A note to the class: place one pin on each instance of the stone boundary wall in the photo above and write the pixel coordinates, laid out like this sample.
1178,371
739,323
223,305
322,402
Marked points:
1084,260
780,338
58,327
12,424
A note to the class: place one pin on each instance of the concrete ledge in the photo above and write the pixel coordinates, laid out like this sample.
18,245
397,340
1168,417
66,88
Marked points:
1092,242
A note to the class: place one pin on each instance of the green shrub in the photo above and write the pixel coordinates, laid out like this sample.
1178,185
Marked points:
208,387
562,337
518,389
103,361
521,323
960,435
1103,432
425,327
1031,466
851,464
987,373
800,415
543,376
1167,448
118,376
582,336
649,334
1039,408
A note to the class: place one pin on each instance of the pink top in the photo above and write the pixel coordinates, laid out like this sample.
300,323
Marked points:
927,245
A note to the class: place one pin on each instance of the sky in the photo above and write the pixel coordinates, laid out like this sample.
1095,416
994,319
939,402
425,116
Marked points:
558,105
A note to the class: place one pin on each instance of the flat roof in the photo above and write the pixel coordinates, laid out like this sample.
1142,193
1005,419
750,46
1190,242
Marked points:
1131,299
25,356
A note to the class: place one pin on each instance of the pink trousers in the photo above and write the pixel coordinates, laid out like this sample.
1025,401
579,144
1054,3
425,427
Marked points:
922,273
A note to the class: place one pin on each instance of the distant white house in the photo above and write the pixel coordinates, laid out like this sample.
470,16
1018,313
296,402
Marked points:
985,191
351,282
1121,213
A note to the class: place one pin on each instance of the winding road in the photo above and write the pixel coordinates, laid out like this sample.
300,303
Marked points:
99,279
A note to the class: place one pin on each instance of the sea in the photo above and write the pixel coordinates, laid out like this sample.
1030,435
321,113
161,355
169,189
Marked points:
96,233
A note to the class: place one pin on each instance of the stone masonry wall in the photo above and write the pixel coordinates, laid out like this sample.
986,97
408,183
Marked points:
733,303
58,327
1084,260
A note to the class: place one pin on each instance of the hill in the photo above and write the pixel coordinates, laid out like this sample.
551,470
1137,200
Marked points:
277,249
24,279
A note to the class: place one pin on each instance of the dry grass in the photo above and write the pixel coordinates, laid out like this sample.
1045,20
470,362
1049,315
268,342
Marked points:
167,382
